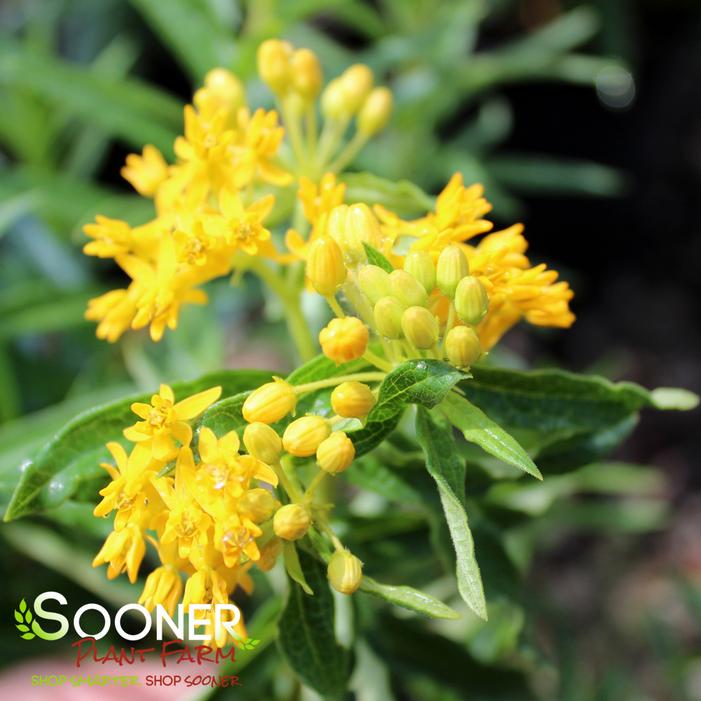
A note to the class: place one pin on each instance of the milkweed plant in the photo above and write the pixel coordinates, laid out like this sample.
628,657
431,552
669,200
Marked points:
215,481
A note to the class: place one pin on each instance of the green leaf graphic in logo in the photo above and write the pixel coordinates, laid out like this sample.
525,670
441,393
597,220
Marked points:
249,643
24,617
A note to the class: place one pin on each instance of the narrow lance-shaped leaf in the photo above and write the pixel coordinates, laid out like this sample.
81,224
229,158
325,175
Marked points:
306,636
478,428
408,598
448,470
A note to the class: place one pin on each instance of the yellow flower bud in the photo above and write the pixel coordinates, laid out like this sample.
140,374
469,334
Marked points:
349,226
471,300
262,442
407,289
462,346
374,282
307,76
336,453
420,327
388,317
325,267
270,402
274,64
352,400
452,267
291,522
222,91
356,82
333,100
420,265
303,436
257,504
375,112
345,571
344,340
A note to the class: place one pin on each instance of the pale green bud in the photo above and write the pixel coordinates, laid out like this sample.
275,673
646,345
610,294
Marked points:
452,267
374,283
420,265
407,289
388,317
375,112
345,571
420,327
471,300
462,346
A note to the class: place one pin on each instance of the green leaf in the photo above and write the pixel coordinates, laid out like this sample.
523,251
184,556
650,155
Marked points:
196,37
23,606
374,475
401,196
674,398
555,400
294,568
307,638
408,598
85,437
124,107
376,258
478,428
448,470
422,382
28,636
21,627
18,617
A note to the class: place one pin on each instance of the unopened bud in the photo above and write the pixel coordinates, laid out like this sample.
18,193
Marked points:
325,268
375,112
462,346
420,265
352,400
388,317
274,64
374,282
407,289
452,267
222,91
306,73
343,340
336,453
333,100
420,327
350,226
270,402
291,522
471,300
303,436
262,442
257,503
356,82
345,571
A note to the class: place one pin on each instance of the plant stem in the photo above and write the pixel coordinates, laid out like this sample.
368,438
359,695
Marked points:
290,298
333,381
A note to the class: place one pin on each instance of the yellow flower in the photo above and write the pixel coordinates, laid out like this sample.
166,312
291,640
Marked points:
241,227
257,140
163,586
317,201
186,523
146,172
223,471
164,421
111,238
123,550
114,311
130,477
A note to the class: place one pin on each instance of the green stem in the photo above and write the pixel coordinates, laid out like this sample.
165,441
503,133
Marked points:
290,299
351,150
333,381
293,490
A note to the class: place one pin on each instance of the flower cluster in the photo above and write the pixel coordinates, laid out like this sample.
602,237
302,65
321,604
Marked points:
212,513
444,297
211,206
